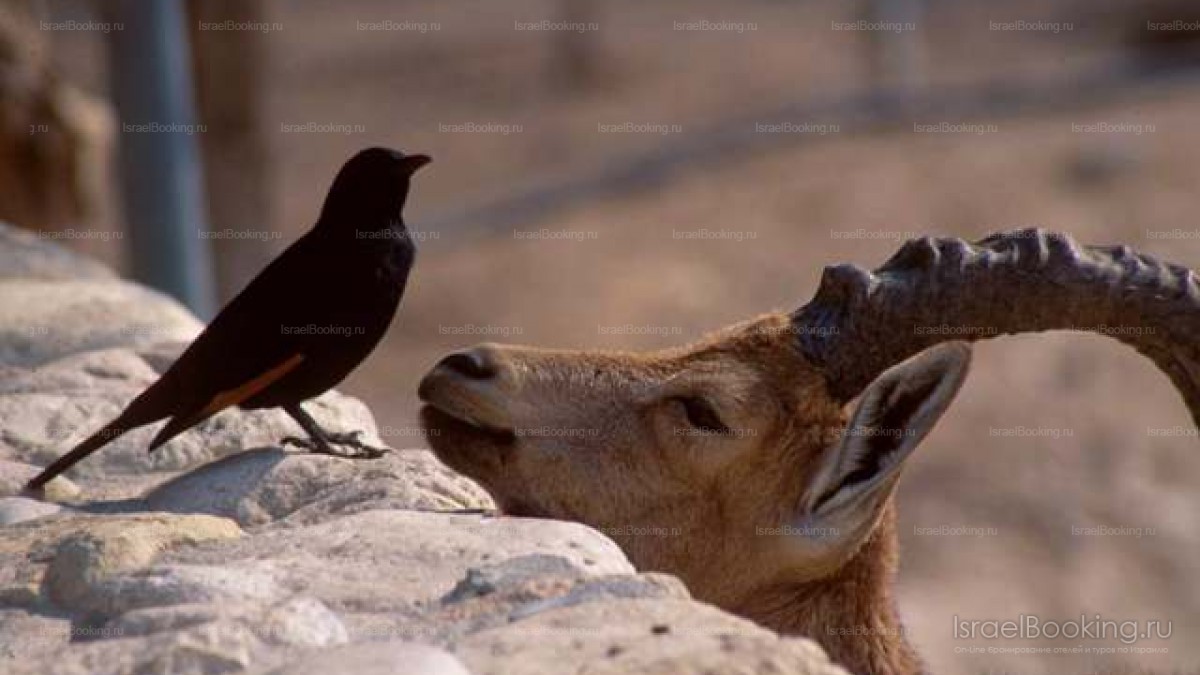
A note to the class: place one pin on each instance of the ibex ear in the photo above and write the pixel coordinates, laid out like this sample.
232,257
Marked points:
894,415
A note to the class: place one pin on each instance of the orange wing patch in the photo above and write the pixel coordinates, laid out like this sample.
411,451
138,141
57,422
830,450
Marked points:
241,393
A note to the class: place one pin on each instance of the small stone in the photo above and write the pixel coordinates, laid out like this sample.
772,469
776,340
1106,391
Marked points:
103,547
19,509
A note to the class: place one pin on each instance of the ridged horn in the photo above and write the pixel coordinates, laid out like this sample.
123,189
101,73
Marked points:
940,289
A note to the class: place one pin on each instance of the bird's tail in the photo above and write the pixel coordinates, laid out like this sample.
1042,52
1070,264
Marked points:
86,447
151,405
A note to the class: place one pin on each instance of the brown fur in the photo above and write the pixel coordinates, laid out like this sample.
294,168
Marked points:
597,438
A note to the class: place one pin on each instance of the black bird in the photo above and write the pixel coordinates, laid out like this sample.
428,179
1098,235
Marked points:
300,327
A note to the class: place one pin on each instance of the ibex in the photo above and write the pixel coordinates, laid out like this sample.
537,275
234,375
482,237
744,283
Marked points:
783,504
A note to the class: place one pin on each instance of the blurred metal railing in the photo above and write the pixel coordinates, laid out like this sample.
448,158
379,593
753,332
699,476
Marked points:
161,174
880,109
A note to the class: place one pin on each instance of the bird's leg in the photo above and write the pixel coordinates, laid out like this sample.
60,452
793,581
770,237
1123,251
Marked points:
322,441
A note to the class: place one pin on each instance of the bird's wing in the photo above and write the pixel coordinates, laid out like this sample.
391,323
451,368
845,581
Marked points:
185,419
248,345
251,387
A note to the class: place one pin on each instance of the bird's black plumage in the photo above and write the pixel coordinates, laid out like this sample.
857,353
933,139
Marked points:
301,326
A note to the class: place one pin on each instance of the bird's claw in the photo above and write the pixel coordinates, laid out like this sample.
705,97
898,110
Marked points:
38,493
349,439
298,442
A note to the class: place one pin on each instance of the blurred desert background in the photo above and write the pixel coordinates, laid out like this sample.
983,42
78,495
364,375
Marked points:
567,163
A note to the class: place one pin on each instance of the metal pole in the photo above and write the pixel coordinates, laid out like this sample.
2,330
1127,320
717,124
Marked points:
161,176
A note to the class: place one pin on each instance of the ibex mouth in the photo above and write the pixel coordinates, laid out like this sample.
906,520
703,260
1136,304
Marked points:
463,444
437,419
461,391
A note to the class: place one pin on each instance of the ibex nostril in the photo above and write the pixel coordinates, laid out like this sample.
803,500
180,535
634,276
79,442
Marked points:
476,364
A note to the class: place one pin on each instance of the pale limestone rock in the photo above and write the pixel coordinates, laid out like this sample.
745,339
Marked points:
43,320
638,636
381,658
90,550
259,486
15,510
30,255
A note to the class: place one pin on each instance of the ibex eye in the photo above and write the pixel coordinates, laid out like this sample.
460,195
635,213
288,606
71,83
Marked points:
700,414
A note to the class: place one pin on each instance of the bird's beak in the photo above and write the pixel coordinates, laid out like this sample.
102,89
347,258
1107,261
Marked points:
415,162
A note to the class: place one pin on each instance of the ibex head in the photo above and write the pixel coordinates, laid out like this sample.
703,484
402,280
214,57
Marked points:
732,463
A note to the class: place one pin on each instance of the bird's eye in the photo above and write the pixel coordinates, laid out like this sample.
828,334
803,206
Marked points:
700,414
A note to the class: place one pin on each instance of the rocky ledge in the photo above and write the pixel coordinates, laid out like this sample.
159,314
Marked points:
224,553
